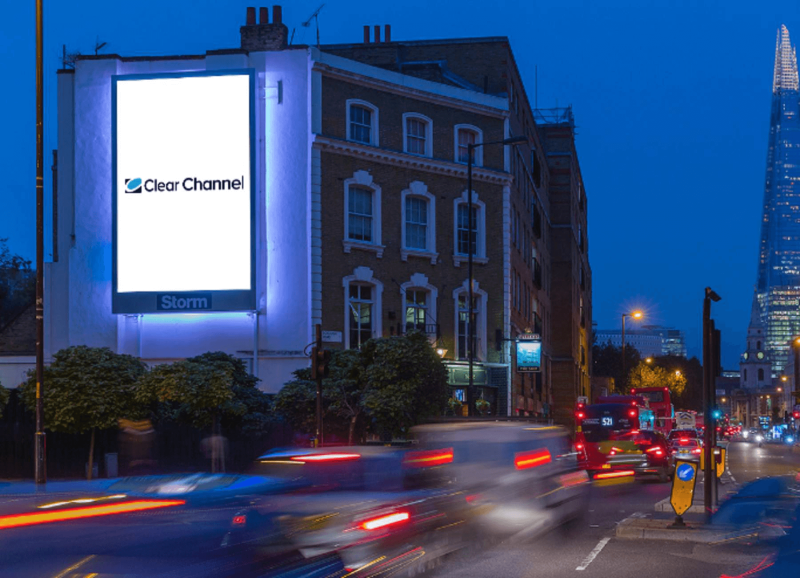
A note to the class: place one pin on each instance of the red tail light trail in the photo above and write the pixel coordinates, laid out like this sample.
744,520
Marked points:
384,521
617,474
326,458
525,460
34,518
428,458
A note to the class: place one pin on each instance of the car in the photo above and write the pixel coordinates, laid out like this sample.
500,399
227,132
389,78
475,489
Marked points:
686,449
648,456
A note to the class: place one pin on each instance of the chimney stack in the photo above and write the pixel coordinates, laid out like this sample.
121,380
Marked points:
377,34
264,36
366,34
387,35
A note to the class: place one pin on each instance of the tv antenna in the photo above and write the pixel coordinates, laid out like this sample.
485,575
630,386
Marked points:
315,18
98,46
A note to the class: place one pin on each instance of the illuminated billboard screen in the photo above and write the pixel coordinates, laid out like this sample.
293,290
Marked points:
529,355
183,192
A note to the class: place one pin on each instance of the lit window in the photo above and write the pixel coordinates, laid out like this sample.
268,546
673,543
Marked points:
416,223
416,310
417,134
361,317
359,214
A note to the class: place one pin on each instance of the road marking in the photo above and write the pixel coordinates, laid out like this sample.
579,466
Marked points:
593,554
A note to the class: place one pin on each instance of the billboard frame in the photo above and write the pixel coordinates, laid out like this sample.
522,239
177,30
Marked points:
139,302
527,338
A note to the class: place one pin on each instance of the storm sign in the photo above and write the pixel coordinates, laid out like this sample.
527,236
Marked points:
183,200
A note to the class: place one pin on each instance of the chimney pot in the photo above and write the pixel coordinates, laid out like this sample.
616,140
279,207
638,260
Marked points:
387,34
251,16
366,34
277,15
263,15
377,34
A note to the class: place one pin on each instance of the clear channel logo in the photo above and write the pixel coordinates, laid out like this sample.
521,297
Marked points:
188,184
133,185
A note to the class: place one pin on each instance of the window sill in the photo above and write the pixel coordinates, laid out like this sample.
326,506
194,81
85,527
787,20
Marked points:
350,245
458,259
406,253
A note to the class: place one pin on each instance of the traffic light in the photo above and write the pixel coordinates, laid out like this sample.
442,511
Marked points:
320,361
796,415
716,414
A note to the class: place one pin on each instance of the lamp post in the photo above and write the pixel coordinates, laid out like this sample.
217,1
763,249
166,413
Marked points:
709,470
514,140
634,315
40,461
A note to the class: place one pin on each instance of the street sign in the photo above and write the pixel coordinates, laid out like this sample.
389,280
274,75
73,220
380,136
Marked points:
683,483
529,352
719,455
332,336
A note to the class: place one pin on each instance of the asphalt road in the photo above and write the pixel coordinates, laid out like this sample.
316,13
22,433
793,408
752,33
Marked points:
591,548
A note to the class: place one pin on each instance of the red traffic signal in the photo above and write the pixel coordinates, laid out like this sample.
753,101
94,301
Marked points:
796,415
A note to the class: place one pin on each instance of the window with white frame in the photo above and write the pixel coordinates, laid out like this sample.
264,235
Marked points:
463,224
466,135
417,307
416,223
418,233
359,214
362,214
361,312
461,298
362,122
418,134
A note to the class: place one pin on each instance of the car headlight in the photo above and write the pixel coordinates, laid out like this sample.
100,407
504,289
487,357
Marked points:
759,438
789,440
745,434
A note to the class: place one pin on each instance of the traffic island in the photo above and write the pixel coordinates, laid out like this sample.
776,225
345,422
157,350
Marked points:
648,529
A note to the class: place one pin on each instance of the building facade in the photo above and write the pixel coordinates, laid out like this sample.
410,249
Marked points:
778,282
360,218
649,341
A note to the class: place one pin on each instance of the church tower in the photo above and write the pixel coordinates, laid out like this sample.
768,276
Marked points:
755,368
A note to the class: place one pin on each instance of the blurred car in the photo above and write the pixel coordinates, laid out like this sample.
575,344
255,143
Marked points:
686,449
693,434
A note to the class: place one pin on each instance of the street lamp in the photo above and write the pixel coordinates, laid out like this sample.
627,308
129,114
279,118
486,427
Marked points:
649,360
678,373
514,140
634,315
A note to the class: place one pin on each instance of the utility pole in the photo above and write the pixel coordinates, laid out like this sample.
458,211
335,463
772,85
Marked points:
709,471
320,361
40,459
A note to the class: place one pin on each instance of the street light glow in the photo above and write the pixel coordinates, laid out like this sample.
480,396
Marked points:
649,360
639,315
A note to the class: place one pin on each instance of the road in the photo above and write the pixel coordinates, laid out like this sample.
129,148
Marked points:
591,549
587,548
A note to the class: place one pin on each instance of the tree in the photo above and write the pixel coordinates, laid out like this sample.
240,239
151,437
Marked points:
647,375
607,361
17,283
211,389
86,388
385,387
4,395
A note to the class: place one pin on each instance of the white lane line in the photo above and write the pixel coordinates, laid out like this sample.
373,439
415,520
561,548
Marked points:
593,554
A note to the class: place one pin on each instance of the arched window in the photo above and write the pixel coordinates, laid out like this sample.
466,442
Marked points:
417,134
362,122
419,305
363,296
465,135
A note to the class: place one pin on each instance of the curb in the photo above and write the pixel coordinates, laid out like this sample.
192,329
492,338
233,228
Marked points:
642,529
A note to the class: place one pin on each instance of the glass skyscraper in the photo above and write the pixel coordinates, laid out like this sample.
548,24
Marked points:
779,260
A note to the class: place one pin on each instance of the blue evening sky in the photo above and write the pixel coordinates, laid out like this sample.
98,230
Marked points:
671,99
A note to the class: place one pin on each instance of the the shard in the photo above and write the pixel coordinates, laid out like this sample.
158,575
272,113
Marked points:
779,260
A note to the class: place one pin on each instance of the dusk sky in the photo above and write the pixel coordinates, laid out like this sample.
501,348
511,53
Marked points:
671,100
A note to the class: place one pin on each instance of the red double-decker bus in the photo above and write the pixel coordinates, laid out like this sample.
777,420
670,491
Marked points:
660,402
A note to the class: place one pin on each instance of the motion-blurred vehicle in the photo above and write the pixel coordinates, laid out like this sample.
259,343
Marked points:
617,438
689,434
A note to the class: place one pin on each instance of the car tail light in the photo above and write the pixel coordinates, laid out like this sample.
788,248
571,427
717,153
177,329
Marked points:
696,450
683,441
385,521
428,458
617,474
655,450
578,447
580,415
239,520
326,458
525,460
632,413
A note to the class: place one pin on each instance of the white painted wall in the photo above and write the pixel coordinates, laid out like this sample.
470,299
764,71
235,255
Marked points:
78,307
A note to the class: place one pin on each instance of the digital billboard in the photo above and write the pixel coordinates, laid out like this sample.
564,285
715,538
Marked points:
183,192
529,353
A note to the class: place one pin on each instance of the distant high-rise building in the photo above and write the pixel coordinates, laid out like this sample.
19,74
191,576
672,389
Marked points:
778,286
649,341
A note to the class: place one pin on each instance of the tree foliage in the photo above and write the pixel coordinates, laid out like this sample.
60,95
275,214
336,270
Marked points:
384,388
607,361
647,375
86,388
4,395
17,283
